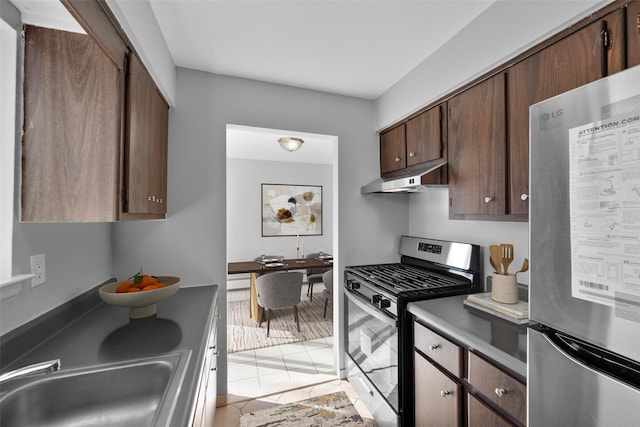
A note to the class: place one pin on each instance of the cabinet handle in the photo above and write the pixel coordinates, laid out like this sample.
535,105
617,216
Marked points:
444,393
412,154
488,199
500,391
215,368
524,197
433,347
397,159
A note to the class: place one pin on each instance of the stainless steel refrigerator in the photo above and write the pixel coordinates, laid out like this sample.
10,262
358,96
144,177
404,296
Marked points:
584,224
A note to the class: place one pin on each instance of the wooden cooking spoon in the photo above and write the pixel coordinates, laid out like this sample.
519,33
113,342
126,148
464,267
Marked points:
525,266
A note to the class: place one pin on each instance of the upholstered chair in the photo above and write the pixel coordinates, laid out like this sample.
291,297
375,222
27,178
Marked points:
279,289
327,292
314,275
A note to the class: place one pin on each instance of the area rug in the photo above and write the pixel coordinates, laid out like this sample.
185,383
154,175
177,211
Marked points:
328,410
243,333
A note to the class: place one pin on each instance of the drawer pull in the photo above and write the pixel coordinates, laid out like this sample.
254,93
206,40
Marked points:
488,199
500,391
433,347
444,393
398,159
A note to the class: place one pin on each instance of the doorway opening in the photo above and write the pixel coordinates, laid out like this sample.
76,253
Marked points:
259,365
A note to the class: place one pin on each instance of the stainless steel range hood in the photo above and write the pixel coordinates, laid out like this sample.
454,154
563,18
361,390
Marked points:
409,183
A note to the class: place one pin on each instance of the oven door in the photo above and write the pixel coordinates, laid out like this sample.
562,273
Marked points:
372,344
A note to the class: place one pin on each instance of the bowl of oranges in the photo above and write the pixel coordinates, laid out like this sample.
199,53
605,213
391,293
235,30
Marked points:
140,293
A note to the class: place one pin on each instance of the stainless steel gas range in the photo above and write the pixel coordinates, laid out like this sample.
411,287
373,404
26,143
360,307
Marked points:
378,328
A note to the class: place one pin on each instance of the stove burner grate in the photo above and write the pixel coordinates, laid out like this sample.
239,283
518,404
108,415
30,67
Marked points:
405,278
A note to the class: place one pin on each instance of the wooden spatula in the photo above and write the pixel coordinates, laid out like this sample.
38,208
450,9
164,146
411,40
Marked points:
507,256
495,257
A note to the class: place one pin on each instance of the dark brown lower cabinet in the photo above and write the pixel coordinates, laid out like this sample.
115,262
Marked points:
438,397
479,394
480,415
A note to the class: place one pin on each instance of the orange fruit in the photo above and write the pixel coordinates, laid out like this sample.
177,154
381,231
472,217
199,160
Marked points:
150,287
133,289
122,287
146,281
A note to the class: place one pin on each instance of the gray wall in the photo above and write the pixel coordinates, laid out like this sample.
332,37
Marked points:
78,256
191,243
244,233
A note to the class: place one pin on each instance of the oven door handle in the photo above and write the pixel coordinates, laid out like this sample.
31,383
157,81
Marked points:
364,306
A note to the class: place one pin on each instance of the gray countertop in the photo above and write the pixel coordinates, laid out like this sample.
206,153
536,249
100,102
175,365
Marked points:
498,339
105,334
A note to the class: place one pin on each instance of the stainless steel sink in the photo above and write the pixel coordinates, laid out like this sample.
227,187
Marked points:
141,392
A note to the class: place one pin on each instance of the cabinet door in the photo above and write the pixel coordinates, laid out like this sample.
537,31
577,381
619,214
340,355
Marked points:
438,399
424,137
72,125
392,150
479,415
146,144
633,33
476,150
498,387
569,63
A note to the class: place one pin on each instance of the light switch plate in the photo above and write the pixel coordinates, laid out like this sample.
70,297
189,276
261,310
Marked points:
38,270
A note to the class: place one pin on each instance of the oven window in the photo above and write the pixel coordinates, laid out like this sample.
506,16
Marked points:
373,346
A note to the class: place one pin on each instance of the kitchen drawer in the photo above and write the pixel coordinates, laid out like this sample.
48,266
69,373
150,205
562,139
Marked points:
439,349
499,387
480,415
438,398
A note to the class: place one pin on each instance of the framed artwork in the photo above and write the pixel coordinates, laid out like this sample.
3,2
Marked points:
291,210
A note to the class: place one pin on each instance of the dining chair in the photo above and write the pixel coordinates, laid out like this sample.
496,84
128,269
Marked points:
314,275
327,292
279,289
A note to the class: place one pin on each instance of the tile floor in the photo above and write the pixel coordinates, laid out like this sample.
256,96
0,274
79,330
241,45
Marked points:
265,377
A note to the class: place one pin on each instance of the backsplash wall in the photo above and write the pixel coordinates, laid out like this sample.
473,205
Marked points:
429,217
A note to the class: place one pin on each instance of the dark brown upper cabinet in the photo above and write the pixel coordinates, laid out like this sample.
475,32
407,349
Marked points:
420,139
424,137
633,33
95,125
393,150
145,168
72,126
477,150
589,54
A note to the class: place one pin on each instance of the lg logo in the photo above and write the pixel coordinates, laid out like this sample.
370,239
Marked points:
554,114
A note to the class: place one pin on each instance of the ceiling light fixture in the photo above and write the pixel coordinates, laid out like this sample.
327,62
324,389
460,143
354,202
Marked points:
290,143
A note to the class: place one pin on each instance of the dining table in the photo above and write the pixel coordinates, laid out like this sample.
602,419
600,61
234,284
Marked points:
258,268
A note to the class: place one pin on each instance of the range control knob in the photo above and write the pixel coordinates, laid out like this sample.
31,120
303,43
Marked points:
380,302
353,285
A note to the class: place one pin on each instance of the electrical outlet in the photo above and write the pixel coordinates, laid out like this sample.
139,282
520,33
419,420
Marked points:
38,269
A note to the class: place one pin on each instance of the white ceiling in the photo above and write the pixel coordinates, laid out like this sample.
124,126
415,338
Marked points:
244,142
351,47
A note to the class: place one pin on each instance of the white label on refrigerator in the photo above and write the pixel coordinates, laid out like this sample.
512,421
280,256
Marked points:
604,175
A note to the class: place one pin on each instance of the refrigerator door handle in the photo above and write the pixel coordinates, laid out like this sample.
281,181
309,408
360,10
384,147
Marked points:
623,369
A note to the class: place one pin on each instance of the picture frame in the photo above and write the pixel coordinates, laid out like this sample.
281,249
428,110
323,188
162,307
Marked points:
291,210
